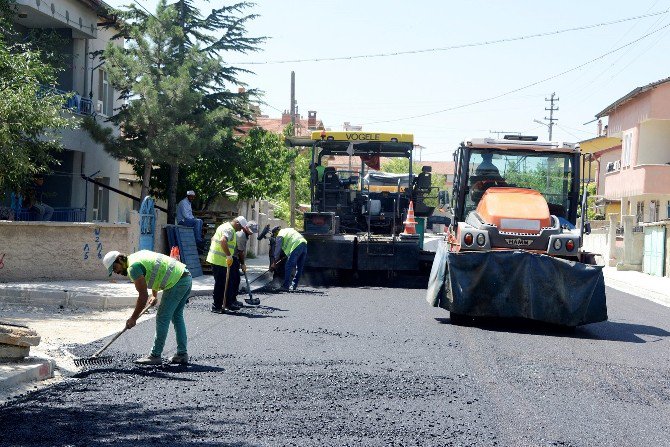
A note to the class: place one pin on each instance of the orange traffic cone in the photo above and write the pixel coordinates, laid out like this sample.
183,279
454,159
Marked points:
410,223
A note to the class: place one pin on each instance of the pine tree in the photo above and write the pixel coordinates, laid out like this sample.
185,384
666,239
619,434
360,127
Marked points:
175,82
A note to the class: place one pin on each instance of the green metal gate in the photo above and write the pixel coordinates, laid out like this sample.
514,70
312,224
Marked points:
654,251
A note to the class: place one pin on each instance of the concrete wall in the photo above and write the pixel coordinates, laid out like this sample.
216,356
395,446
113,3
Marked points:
654,142
33,251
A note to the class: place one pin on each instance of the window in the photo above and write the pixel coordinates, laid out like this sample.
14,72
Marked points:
654,209
105,94
625,153
639,214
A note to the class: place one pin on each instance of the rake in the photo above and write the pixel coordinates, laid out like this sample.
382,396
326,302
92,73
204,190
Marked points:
97,359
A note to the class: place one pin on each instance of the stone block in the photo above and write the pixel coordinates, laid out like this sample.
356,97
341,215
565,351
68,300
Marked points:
11,352
18,336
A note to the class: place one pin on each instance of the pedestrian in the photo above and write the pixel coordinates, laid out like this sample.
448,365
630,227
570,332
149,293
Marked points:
155,271
225,266
33,199
294,246
185,216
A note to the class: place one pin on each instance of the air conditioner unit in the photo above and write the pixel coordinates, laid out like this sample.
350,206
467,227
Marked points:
617,165
610,166
98,107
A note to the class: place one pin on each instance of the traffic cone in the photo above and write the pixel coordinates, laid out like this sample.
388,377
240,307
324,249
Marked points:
410,223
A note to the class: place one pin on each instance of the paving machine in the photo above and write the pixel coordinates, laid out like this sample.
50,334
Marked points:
514,248
356,219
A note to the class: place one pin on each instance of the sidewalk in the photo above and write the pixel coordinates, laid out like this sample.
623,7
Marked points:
65,313
653,288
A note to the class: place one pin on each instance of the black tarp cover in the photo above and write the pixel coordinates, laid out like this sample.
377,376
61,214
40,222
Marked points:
517,284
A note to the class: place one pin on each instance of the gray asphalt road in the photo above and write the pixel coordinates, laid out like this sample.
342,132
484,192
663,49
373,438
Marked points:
368,366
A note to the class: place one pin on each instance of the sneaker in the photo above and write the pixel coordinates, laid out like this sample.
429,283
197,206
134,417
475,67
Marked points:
180,359
149,360
238,303
294,287
233,307
252,301
217,310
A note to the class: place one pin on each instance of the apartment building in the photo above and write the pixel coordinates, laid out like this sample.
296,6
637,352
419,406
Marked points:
78,27
640,178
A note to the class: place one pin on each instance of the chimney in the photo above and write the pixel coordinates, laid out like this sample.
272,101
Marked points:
311,119
241,90
600,128
285,117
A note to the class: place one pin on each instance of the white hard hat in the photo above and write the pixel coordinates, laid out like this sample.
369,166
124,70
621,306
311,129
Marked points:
190,193
242,221
108,260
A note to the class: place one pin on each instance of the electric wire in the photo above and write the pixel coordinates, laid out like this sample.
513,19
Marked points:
454,47
527,86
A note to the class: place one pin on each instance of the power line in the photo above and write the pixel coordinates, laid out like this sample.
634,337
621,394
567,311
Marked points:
491,98
454,47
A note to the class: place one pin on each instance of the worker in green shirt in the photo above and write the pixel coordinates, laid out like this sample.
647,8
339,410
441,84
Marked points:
294,246
155,271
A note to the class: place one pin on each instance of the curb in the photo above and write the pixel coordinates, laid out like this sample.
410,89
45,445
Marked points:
30,369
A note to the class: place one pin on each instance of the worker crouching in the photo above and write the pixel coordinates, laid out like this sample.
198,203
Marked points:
294,246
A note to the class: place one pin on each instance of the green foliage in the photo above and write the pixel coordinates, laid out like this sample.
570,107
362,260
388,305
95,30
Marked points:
180,112
30,113
254,168
303,159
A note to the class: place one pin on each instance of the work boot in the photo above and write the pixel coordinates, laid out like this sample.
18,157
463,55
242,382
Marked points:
233,307
217,310
180,359
149,360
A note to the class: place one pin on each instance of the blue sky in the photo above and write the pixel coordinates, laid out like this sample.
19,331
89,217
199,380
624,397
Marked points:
385,93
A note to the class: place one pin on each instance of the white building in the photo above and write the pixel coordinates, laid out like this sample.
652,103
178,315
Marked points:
79,24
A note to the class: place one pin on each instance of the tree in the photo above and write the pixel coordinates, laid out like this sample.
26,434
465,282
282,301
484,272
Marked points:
175,84
30,110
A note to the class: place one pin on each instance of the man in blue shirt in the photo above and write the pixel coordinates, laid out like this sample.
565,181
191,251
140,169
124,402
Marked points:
185,216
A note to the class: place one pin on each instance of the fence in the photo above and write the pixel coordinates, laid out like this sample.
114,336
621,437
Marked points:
59,215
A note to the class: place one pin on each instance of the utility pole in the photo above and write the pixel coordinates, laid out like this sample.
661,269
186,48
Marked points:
551,110
292,169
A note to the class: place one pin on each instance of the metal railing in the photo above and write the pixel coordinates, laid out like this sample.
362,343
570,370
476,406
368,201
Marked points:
75,104
59,215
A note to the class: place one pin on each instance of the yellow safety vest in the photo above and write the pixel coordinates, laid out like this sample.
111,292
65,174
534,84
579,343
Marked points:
290,240
163,271
216,255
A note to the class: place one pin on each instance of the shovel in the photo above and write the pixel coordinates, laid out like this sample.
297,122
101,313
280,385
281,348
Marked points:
251,300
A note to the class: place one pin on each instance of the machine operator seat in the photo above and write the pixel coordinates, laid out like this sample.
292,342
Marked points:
486,176
331,189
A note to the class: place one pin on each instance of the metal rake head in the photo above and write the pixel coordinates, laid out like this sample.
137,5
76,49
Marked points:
92,361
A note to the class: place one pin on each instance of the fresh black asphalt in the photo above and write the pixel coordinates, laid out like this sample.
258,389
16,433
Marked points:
366,366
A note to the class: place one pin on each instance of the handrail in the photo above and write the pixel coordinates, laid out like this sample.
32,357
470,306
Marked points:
118,191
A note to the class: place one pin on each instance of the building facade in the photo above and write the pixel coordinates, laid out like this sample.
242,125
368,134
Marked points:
78,27
640,178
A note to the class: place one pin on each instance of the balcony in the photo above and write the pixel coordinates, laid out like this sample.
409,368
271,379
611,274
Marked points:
637,180
76,104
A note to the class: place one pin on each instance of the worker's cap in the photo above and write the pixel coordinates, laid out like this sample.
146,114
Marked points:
109,259
252,227
242,221
190,193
